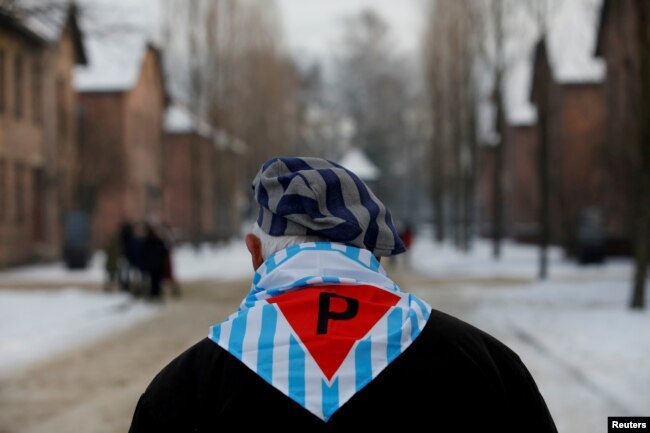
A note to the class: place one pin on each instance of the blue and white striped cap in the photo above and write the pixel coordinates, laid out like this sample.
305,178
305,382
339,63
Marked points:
314,196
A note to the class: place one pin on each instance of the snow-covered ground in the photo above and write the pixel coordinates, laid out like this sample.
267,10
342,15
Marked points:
221,262
588,352
39,324
36,324
586,349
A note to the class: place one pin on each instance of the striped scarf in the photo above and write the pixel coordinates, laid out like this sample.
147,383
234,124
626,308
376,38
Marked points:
320,322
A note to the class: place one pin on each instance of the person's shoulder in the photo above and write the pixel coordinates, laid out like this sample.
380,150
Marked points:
187,369
171,402
450,331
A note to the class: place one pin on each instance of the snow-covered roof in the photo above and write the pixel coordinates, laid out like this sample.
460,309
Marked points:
45,21
117,34
111,66
572,33
357,162
571,41
180,120
49,28
46,18
519,79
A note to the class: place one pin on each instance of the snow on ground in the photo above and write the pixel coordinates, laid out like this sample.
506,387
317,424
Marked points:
39,324
586,349
225,262
584,327
518,261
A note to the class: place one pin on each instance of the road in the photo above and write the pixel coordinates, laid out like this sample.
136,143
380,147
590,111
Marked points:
94,389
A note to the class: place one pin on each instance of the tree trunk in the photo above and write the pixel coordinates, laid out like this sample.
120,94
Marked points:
437,181
499,166
642,232
544,186
500,151
642,241
496,205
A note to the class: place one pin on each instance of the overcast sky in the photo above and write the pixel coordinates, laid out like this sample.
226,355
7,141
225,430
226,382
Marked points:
313,27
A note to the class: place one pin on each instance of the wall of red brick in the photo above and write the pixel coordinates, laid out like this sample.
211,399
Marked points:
122,154
189,186
21,152
143,147
621,88
524,185
582,174
102,175
178,184
232,191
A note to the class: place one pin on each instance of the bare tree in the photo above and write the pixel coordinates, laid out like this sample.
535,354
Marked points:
642,229
238,78
451,47
496,15
542,11
372,78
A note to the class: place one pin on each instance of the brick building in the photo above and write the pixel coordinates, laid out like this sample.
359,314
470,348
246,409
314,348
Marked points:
202,178
37,132
573,114
618,46
189,175
567,88
122,100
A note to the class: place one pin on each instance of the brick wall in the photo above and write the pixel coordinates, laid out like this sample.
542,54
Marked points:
144,107
618,47
121,153
189,185
21,146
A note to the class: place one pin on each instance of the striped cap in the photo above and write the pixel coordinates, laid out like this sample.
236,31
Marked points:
313,196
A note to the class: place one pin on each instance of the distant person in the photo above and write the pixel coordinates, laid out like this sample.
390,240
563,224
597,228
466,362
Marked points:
139,273
127,263
407,234
113,253
169,275
154,259
326,341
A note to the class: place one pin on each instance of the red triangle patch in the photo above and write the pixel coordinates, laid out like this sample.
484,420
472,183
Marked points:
330,319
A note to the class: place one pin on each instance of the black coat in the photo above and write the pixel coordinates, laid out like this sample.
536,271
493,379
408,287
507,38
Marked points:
452,378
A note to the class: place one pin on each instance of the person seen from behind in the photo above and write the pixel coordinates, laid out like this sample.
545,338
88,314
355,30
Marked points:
154,261
326,341
113,254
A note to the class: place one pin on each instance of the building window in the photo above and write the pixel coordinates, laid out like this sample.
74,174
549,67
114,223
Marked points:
20,193
62,110
18,86
37,91
3,85
3,190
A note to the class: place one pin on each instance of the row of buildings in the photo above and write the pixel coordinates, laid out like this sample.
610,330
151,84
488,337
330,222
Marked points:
582,84
88,128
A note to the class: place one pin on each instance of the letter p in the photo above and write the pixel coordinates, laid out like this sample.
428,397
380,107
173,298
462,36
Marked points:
325,314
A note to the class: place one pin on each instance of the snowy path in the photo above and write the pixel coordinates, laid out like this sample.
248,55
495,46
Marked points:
94,388
586,350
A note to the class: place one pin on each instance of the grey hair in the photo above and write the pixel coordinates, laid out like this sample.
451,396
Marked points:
273,244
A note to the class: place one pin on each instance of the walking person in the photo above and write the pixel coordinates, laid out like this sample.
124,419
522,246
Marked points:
169,276
126,262
326,341
154,259
113,253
